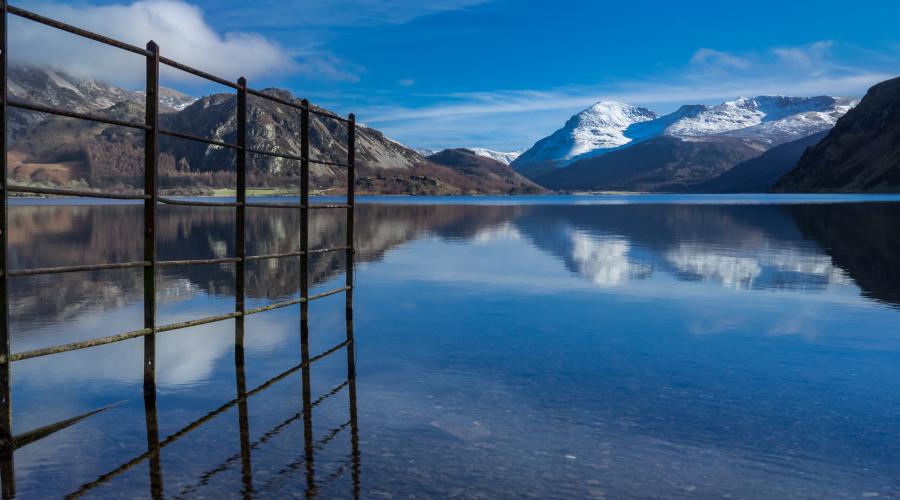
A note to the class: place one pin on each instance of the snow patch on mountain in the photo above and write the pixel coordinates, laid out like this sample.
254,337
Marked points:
175,100
503,157
601,127
768,119
606,126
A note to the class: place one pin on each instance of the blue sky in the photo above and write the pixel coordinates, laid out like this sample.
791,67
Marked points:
504,73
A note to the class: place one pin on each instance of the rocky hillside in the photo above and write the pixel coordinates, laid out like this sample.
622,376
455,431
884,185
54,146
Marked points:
662,164
52,87
758,175
276,128
860,154
491,174
52,150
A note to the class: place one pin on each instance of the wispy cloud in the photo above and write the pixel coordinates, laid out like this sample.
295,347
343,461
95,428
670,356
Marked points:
515,119
182,32
813,55
337,13
714,57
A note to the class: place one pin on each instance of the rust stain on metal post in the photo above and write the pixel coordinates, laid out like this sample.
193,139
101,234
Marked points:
304,222
240,231
151,163
351,346
351,206
151,172
7,442
304,293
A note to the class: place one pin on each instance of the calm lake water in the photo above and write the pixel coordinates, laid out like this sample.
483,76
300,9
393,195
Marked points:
546,347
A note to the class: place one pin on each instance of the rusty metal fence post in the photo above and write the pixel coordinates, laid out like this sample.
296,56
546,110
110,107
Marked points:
304,222
348,309
7,444
151,176
351,207
240,246
151,165
304,295
240,236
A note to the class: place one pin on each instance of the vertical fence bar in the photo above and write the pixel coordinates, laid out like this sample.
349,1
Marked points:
304,219
7,446
351,345
304,306
151,172
151,159
240,246
351,203
240,236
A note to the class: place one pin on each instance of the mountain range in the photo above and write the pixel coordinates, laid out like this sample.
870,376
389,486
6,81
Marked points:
51,150
618,146
754,144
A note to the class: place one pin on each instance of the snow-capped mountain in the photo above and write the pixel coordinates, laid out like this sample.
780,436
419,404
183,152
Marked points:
502,157
426,151
771,120
601,127
607,126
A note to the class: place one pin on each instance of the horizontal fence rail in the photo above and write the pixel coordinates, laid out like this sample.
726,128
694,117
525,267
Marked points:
150,263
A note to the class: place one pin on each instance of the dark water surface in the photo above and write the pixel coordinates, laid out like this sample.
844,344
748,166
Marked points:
642,347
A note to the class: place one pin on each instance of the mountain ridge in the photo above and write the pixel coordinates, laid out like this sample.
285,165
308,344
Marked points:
860,154
766,120
58,151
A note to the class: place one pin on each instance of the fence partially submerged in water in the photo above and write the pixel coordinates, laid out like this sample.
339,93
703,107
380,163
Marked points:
9,442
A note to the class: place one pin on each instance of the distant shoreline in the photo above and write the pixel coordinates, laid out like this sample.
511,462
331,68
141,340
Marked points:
533,199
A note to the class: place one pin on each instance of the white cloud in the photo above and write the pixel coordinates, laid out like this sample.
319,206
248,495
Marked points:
179,28
713,57
806,56
406,82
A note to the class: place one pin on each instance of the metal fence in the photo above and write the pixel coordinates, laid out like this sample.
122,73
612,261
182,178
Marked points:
9,442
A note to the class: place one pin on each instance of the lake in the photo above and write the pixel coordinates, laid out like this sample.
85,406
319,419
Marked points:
545,347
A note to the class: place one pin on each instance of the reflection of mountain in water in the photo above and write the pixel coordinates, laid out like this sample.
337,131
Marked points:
738,246
43,236
806,247
860,238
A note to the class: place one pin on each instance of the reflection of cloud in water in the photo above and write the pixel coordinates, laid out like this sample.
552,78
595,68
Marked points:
174,290
806,263
734,270
503,232
184,357
605,261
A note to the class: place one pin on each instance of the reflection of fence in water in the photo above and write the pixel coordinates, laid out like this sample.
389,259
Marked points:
244,456
9,442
